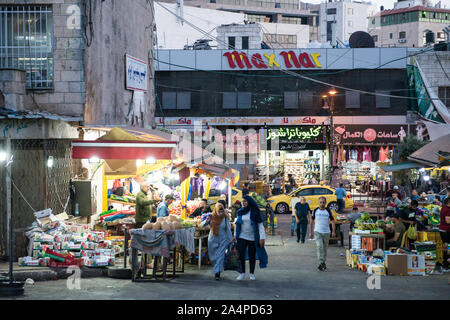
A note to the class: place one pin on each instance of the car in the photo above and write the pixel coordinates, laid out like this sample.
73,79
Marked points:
281,203
214,196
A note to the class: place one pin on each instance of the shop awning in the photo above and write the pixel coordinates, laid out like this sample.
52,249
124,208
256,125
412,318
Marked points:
430,154
402,166
123,150
437,130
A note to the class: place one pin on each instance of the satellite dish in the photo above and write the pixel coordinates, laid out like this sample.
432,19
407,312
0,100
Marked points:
361,39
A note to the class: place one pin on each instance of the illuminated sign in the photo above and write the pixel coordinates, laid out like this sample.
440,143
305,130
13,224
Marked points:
290,59
298,138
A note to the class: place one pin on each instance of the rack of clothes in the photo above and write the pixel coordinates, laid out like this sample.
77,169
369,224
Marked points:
362,153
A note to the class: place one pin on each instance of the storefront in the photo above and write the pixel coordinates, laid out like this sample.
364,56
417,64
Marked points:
361,150
297,150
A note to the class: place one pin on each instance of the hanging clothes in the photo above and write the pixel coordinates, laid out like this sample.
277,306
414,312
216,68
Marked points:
360,154
341,154
354,154
367,155
384,154
375,154
335,157
347,154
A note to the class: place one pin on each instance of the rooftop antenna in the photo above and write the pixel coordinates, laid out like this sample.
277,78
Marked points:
180,11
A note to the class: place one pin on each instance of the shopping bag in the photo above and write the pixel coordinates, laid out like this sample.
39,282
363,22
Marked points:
412,232
231,258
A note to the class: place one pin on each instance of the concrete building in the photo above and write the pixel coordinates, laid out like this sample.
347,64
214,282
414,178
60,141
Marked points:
63,66
292,12
340,18
408,26
172,33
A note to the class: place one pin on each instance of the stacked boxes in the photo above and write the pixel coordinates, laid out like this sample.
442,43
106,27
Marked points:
428,249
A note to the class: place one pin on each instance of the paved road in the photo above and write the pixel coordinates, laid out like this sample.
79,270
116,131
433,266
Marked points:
291,274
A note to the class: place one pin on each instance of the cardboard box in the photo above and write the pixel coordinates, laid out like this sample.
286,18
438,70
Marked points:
416,265
376,269
396,264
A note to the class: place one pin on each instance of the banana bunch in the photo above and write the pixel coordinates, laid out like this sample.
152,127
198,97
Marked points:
368,226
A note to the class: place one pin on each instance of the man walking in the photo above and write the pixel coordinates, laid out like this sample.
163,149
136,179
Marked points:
340,195
294,201
277,184
320,225
303,217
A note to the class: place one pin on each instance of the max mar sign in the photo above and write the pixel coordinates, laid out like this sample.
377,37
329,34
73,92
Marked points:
286,59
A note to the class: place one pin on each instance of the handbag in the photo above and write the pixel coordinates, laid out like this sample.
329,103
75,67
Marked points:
412,232
231,261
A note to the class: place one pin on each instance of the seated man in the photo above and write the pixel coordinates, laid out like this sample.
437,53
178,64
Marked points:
393,205
355,215
203,208
399,230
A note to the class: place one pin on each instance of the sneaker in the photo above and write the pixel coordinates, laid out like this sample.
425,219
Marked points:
292,233
324,267
241,277
252,277
217,276
298,240
320,267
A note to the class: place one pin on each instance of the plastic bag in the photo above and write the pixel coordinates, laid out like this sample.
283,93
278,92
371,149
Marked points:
231,261
412,232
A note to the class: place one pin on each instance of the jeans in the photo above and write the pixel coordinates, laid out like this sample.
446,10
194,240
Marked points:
276,191
341,205
293,223
445,236
322,240
302,228
242,245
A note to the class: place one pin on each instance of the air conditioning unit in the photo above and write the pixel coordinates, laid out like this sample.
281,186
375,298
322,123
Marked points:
402,40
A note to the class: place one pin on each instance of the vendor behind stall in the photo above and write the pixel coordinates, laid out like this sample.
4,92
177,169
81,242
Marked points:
203,208
399,230
144,202
163,208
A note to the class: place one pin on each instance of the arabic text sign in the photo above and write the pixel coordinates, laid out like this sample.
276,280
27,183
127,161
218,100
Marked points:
136,74
359,134
290,138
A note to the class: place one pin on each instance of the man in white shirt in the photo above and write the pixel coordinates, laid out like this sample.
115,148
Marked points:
294,201
321,219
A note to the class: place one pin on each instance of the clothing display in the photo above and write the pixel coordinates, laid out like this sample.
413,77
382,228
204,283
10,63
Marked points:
384,154
360,154
367,154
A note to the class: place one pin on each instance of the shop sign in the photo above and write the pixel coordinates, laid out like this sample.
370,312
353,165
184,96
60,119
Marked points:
298,138
364,134
285,59
136,74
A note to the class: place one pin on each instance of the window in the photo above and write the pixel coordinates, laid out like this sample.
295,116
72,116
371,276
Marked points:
375,38
306,99
322,191
277,5
231,43
331,11
244,42
291,100
350,11
391,35
176,100
382,101
26,42
444,95
352,100
350,23
306,192
402,35
237,100
441,36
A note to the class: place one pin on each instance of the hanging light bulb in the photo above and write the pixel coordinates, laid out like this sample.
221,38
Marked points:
3,156
138,163
50,162
94,160
426,178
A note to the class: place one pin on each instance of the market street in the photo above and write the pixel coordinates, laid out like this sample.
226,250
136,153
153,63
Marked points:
292,274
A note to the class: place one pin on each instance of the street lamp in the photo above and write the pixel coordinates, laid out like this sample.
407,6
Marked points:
330,107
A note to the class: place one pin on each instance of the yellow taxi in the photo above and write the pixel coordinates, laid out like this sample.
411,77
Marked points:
281,203
214,196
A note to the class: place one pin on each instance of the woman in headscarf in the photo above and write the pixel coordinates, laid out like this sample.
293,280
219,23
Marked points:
219,236
250,236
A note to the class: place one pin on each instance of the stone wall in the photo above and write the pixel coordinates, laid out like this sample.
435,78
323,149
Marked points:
12,86
119,28
68,94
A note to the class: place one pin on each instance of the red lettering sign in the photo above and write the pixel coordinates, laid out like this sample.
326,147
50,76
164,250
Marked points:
289,57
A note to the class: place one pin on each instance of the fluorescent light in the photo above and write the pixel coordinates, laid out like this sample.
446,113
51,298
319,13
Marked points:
50,162
422,170
150,161
94,160
3,156
223,185
426,178
138,163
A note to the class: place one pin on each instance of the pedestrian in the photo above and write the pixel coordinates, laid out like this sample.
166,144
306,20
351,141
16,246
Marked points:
340,195
292,184
277,184
219,237
294,201
444,228
144,202
250,236
245,190
303,217
447,195
163,208
321,219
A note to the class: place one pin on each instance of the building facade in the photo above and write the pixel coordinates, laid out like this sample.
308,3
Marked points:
65,64
340,19
407,27
260,95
